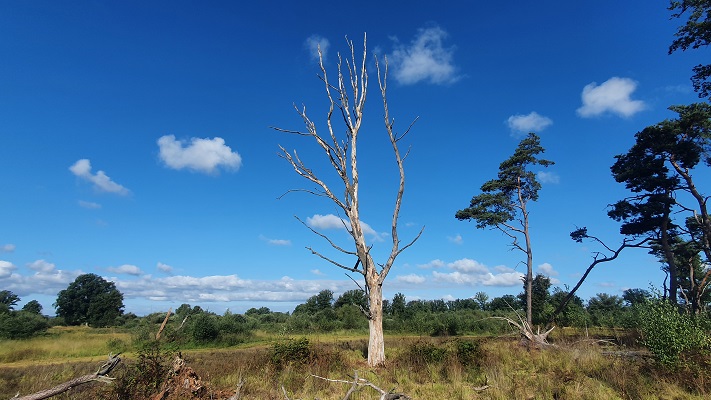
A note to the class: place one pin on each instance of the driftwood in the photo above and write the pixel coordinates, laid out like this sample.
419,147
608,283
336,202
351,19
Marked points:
100,376
358,383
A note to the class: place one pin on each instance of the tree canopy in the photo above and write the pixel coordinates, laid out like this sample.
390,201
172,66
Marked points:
90,299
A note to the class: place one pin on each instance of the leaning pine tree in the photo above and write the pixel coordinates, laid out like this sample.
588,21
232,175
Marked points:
347,98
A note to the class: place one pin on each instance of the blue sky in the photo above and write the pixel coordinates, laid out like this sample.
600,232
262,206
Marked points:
136,144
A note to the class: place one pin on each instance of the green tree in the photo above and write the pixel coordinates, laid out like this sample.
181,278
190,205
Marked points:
33,306
399,304
634,297
8,300
482,299
506,302
21,325
658,170
695,33
605,309
90,299
503,203
541,307
572,313
355,297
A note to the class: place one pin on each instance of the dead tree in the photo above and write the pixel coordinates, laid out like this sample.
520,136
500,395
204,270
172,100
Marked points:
357,384
347,98
101,375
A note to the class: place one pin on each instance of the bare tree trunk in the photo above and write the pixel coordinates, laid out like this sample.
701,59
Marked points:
376,342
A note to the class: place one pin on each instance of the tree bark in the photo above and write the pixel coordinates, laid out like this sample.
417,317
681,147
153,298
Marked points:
376,342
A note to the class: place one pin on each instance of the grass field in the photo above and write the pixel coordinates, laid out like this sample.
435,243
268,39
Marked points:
422,367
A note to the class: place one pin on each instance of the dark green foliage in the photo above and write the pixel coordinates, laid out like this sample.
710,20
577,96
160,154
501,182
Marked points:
355,297
695,33
541,307
398,304
468,352
292,351
573,314
425,352
605,310
21,324
497,202
203,328
8,300
507,302
33,306
90,299
634,297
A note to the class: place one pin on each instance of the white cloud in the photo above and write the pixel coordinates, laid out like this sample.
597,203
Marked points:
313,43
548,177
331,221
455,239
89,204
547,269
468,265
164,268
612,96
201,155
433,264
6,269
41,266
425,59
7,248
411,278
317,272
473,273
127,269
505,279
275,242
101,181
532,122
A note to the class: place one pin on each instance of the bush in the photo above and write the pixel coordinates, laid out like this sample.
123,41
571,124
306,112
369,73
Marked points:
291,351
204,328
670,335
21,325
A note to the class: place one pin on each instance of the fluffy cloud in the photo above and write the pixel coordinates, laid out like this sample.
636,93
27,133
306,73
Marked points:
41,266
550,272
547,177
313,43
164,268
6,269
7,248
201,155
611,96
101,181
532,122
331,221
473,273
425,59
411,278
127,269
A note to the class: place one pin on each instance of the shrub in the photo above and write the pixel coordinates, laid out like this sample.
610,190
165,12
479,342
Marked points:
21,324
204,328
669,334
296,351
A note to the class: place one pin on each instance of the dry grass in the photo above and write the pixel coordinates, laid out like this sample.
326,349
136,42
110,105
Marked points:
424,368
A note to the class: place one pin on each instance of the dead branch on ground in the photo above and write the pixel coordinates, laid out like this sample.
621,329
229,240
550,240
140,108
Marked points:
100,375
